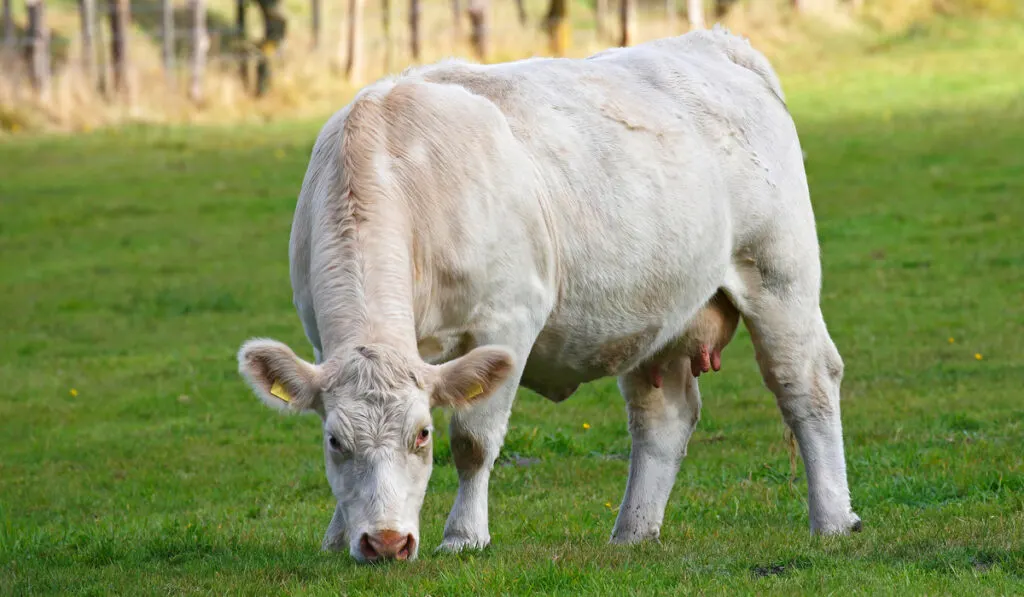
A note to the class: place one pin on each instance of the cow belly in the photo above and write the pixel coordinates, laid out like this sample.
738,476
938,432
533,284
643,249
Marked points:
610,339
562,359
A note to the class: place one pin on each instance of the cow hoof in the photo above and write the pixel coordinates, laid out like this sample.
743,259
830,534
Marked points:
852,524
635,536
460,544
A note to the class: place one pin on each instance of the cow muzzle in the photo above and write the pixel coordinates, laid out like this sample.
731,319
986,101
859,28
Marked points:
387,545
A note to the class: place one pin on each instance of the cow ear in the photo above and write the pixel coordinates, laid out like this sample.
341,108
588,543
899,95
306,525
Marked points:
279,377
471,377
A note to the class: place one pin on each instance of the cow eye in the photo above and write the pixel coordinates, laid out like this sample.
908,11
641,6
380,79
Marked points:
333,443
423,437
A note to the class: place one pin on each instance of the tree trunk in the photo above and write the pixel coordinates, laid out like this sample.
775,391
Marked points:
243,52
456,22
342,40
38,46
317,13
10,36
521,9
670,15
695,13
119,19
627,20
167,31
478,23
200,44
275,28
600,14
354,63
385,21
87,18
414,29
557,23
102,59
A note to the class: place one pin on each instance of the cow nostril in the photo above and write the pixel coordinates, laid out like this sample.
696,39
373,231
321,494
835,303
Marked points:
390,544
408,546
366,548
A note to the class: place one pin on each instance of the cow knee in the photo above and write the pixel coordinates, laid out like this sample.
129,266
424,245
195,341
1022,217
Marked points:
471,450
468,452
834,366
807,385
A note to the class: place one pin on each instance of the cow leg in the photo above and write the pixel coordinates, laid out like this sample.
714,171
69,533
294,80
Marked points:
335,538
802,367
477,433
661,421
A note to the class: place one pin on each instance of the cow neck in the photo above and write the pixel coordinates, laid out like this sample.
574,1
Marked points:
362,286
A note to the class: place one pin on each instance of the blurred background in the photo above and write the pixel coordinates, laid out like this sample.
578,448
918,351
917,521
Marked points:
76,65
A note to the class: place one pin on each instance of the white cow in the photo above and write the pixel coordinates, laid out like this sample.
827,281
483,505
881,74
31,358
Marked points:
466,229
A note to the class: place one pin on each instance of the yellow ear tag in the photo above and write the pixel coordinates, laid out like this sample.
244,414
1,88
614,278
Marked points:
278,390
474,391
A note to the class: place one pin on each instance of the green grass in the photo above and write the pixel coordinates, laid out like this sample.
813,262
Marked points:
135,263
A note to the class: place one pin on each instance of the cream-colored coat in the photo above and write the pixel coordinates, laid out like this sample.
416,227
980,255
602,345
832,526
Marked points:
465,229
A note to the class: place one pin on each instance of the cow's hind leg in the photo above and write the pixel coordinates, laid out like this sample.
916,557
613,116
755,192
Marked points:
779,301
661,421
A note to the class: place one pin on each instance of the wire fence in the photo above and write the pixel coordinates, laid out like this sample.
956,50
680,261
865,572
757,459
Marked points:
190,38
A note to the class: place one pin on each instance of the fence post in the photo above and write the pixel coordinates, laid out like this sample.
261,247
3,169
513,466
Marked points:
317,13
39,46
275,28
695,13
478,24
87,18
10,40
521,9
119,21
456,22
385,16
243,51
342,41
354,64
557,23
627,19
600,11
167,32
414,29
200,43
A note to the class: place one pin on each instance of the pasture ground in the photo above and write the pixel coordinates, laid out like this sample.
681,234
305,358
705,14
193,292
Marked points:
135,460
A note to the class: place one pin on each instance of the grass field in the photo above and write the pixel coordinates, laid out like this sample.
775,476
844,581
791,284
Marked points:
134,460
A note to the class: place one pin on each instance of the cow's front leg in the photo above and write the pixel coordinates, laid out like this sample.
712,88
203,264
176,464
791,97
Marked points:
477,433
661,421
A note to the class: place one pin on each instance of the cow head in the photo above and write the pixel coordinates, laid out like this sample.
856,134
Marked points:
377,429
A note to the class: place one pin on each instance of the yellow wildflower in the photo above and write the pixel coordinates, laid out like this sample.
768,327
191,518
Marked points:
586,425
951,340
977,356
73,392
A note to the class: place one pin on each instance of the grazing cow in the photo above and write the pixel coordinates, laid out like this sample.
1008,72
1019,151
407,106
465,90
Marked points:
464,229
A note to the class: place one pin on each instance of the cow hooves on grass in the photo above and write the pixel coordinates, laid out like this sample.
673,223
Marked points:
632,538
461,544
854,525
